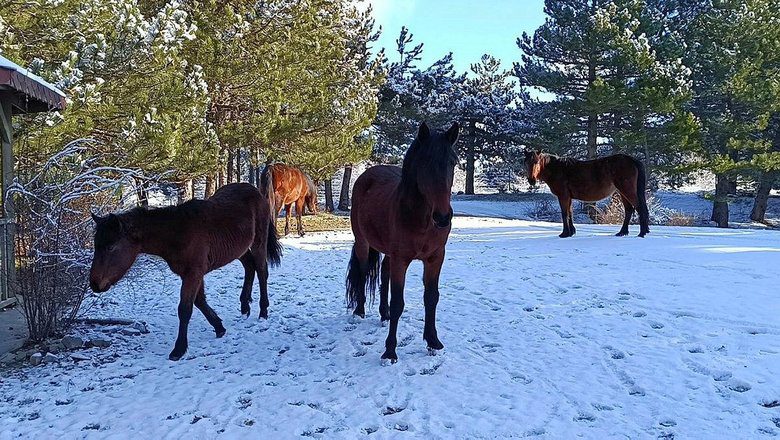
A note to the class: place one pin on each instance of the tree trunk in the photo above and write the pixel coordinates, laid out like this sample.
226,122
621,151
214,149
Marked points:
345,185
184,191
230,162
209,189
141,193
328,195
720,208
470,166
593,118
762,196
252,175
239,176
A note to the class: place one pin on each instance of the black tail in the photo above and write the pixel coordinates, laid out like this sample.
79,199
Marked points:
360,280
273,246
641,186
267,187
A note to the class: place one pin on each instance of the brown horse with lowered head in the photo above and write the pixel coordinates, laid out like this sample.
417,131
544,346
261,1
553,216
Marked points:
590,181
194,238
292,186
404,213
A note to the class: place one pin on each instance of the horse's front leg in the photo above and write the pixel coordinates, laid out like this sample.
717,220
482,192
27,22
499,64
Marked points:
190,286
431,271
398,268
565,201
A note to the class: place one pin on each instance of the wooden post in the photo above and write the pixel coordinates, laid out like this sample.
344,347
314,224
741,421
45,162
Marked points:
7,223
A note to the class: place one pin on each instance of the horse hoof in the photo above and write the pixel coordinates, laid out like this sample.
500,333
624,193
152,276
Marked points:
435,345
621,234
221,333
390,356
175,357
434,351
642,235
263,314
564,235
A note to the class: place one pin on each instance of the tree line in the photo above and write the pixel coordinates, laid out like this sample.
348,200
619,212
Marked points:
210,90
200,90
684,85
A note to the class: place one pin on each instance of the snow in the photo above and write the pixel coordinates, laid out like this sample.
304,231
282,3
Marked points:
8,64
594,336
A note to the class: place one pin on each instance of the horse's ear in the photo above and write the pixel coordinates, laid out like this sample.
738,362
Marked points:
96,218
452,134
424,132
539,152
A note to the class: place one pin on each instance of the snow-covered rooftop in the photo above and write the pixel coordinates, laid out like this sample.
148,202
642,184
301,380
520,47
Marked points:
33,92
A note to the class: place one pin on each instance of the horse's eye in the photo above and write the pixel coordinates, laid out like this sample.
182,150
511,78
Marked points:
112,247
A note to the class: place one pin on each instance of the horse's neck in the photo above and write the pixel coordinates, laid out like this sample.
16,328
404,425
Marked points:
415,207
551,169
155,229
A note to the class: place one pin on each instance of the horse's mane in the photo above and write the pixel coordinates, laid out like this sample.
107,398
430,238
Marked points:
559,160
435,150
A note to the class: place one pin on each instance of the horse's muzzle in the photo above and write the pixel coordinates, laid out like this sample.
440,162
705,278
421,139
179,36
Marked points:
98,287
442,220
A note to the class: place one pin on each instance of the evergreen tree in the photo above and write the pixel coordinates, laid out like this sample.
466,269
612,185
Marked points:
612,83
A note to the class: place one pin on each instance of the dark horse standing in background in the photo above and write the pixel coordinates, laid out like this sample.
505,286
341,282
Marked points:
590,181
404,213
292,186
194,238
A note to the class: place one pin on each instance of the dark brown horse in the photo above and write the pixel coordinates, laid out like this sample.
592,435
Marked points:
404,213
292,186
194,238
590,181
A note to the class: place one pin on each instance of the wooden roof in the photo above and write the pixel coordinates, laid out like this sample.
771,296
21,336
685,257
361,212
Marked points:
28,93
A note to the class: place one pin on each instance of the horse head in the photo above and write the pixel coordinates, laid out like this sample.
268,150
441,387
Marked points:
115,252
533,165
431,162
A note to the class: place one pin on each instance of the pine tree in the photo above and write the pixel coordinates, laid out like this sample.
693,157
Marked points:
613,86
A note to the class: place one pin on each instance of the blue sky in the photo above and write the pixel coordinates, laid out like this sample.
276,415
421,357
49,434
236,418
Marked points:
467,28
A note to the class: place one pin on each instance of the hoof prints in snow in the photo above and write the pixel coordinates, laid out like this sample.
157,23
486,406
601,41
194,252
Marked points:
553,354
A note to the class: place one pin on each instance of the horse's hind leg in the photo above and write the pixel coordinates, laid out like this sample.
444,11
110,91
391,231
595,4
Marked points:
287,210
356,277
299,205
208,312
249,277
260,255
629,212
384,289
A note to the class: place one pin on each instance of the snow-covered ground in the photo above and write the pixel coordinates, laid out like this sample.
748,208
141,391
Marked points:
675,335
526,206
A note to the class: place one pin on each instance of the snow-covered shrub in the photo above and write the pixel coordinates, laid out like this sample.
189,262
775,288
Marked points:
613,212
54,233
545,209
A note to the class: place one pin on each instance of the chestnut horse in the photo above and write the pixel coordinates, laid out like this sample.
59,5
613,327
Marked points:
590,181
292,186
194,238
404,213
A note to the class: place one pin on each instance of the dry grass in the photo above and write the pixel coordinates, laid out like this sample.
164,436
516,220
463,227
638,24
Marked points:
323,221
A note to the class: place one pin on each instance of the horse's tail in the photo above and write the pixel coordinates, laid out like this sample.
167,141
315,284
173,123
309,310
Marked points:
641,186
267,187
273,245
358,280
